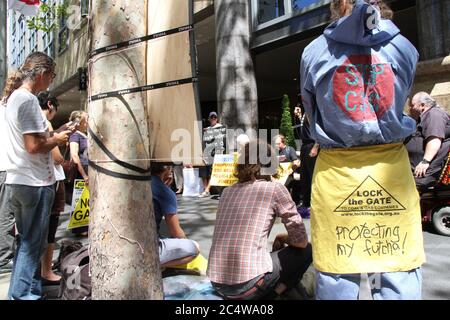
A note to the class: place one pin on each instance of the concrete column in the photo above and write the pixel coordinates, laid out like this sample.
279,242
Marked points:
434,28
3,41
433,72
237,97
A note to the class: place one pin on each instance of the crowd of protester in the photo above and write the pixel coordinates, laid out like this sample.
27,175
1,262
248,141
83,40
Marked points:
355,140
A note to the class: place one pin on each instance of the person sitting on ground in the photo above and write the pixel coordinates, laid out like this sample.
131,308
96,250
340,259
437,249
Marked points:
240,267
176,250
428,148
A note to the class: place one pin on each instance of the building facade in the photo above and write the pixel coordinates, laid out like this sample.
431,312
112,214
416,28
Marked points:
281,29
3,41
67,44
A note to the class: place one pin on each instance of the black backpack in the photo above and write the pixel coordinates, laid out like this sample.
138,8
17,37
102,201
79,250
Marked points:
67,247
76,276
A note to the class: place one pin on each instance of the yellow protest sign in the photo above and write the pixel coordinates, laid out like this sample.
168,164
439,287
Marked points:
284,171
199,264
223,170
365,213
80,216
78,187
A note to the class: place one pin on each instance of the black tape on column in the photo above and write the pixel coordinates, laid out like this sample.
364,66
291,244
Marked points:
113,157
131,42
117,174
143,88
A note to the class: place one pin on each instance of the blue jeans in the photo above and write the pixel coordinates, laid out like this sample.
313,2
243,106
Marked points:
31,206
6,224
405,285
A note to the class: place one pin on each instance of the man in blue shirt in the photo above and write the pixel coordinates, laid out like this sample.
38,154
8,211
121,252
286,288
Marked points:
175,250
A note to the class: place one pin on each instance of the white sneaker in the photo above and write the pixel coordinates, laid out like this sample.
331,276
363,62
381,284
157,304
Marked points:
204,194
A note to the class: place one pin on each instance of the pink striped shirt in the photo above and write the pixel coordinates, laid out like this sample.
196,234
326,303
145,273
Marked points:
244,219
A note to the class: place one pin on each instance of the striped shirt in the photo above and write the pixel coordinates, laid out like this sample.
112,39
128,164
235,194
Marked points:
245,216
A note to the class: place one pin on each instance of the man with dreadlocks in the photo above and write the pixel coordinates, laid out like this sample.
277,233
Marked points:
30,175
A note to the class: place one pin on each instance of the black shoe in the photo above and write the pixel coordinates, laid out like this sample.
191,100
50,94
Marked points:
6,268
46,282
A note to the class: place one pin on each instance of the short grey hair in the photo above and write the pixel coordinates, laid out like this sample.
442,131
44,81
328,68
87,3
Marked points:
426,99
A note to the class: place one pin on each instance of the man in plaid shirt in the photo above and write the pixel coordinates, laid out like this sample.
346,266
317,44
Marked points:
240,267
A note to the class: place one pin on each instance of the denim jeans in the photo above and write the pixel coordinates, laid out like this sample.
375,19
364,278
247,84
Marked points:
31,206
289,266
6,224
406,285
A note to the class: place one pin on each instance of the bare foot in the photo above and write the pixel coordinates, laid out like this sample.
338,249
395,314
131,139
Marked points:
51,277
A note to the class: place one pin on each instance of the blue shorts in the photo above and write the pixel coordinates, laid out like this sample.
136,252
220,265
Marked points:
173,249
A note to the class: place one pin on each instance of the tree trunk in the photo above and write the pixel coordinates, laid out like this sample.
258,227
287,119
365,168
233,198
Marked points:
236,85
123,238
3,63
434,28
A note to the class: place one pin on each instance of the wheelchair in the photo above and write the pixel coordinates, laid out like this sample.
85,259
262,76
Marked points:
435,203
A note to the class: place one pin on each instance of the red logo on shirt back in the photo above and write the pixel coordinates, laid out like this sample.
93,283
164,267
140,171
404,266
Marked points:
363,87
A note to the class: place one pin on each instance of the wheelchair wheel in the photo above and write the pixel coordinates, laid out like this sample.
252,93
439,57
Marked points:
441,221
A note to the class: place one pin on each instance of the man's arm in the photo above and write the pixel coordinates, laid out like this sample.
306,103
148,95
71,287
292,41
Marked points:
173,225
286,209
37,143
431,149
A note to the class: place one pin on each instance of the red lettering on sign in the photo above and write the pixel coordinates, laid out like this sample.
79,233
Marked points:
363,87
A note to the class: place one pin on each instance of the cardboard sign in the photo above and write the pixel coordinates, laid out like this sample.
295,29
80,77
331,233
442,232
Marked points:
80,216
223,170
365,212
284,171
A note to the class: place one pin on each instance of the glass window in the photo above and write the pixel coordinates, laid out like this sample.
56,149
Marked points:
32,41
301,4
63,35
12,21
21,46
63,39
48,37
269,10
84,8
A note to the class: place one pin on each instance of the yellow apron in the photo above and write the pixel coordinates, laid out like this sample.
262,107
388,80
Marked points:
365,211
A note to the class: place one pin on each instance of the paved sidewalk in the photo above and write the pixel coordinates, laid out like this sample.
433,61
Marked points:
197,217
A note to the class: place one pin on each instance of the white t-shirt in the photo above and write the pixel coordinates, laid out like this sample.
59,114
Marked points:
24,116
3,139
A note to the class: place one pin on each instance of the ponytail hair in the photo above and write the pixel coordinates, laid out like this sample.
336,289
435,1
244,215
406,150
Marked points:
35,63
347,5
13,82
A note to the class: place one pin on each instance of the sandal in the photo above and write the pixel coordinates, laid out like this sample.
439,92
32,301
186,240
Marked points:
204,194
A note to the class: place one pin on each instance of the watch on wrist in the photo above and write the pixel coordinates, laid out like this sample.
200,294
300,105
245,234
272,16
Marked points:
425,161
